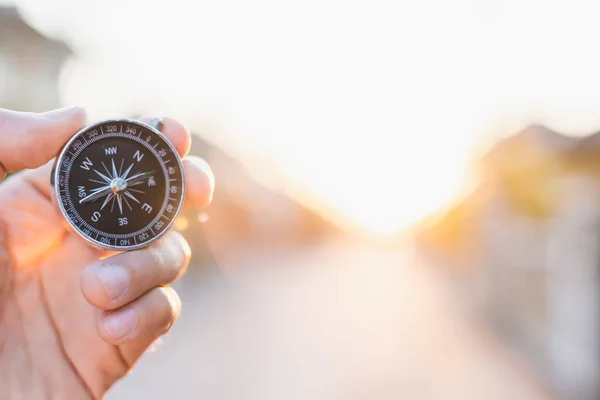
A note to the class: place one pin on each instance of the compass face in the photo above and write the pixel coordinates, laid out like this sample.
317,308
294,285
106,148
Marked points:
119,183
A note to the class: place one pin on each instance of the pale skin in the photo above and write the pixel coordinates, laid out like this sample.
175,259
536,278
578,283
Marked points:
74,319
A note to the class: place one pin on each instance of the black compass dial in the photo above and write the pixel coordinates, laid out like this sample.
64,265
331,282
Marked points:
119,183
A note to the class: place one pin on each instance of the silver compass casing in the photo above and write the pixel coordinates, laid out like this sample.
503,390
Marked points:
154,126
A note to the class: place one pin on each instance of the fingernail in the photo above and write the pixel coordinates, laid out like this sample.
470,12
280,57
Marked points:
120,323
115,280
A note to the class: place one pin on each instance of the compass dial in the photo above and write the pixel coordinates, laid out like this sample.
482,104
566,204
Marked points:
119,183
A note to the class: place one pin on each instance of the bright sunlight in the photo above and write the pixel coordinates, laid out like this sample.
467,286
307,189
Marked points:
275,84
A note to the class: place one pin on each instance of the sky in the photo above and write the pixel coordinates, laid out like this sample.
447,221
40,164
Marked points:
369,108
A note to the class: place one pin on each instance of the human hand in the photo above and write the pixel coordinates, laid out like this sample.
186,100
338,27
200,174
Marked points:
74,319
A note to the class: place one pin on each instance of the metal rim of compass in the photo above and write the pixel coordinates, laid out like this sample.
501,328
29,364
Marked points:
154,124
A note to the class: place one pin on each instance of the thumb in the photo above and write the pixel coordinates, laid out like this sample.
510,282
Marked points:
28,140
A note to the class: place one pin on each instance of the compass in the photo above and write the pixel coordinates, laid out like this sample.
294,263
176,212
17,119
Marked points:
119,183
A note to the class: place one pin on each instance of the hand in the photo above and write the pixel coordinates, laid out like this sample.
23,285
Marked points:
74,319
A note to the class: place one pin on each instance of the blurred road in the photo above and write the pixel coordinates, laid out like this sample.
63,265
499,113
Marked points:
334,322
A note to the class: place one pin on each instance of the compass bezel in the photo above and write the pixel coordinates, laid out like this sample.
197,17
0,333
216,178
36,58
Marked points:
56,196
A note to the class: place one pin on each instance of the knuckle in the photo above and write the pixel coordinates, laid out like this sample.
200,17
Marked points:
172,254
181,248
169,309
91,288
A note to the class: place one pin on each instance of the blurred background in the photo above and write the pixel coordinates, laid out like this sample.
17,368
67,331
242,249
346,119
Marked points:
437,159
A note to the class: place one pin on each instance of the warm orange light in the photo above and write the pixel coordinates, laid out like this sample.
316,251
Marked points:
181,223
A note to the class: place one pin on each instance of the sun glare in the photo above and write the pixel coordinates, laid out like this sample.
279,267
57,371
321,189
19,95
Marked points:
376,123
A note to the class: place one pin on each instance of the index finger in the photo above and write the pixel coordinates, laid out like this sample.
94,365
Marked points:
177,134
28,140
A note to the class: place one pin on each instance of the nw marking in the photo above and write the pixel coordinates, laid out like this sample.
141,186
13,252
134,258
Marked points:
110,150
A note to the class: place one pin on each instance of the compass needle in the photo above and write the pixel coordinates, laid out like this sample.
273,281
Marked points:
135,176
127,172
120,201
127,203
110,196
96,194
114,169
100,188
132,197
107,171
114,188
106,178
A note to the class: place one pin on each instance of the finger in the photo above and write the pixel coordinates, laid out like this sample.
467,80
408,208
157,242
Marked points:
143,320
28,140
199,181
177,134
120,279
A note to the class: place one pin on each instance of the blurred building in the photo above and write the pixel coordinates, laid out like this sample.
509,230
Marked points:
30,65
525,246
247,219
